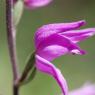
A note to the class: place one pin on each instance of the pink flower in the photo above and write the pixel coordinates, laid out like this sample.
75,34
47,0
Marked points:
54,40
86,89
32,4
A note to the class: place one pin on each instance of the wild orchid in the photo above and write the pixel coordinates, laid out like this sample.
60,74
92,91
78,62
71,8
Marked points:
51,41
54,40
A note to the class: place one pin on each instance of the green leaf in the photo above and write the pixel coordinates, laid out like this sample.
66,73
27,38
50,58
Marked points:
30,76
17,12
29,70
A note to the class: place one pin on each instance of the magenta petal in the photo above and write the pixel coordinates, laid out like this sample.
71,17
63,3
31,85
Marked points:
88,89
63,26
50,29
32,4
79,35
57,45
53,51
47,67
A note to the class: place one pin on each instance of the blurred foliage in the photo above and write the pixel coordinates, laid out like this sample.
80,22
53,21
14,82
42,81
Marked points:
76,69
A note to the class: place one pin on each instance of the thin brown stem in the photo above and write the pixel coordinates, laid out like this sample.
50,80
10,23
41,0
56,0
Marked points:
11,36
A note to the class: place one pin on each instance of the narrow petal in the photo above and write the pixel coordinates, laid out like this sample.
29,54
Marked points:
63,26
88,89
79,35
32,4
57,45
47,67
50,29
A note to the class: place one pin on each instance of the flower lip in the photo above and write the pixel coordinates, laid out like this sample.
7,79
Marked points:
76,51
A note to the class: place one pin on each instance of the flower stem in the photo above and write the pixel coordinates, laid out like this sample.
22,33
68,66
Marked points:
15,90
11,36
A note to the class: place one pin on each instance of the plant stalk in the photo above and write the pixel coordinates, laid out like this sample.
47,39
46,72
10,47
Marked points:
11,36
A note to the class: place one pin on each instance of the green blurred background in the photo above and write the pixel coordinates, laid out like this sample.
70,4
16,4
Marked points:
76,69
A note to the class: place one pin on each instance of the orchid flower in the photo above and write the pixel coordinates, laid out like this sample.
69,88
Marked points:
32,4
54,40
86,89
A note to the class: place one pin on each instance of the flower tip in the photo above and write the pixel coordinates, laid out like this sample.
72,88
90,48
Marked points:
93,32
79,52
82,22
77,24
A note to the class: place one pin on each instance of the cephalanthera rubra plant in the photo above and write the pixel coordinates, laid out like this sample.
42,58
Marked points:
51,41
